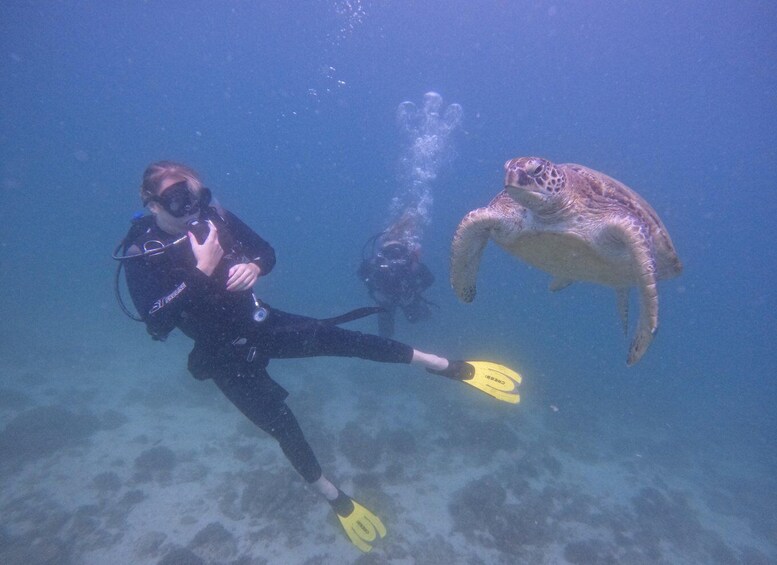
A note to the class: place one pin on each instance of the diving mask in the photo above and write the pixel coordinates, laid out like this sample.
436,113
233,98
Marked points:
179,201
394,253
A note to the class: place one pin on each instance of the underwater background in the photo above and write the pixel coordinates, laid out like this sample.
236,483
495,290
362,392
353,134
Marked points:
289,112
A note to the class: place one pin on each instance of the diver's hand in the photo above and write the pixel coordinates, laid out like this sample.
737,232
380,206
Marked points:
209,252
243,276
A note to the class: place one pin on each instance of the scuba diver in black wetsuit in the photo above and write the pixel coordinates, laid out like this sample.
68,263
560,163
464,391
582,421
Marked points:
395,279
192,265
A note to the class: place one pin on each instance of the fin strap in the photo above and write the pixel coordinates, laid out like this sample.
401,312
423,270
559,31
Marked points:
456,370
342,505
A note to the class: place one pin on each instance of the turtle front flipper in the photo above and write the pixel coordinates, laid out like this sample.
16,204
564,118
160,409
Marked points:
634,236
469,241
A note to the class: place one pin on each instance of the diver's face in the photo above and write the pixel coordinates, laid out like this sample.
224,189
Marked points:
174,206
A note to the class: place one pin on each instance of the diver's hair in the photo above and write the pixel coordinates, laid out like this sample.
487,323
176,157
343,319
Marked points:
158,172
405,230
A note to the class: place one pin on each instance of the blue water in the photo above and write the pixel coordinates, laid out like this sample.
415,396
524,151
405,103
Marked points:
288,111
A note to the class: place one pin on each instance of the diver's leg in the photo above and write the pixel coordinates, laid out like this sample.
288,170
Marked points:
429,361
386,323
292,336
248,393
289,336
326,488
417,311
262,401
285,429
318,339
331,340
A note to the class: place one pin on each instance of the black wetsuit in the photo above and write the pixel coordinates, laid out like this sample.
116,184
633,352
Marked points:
230,346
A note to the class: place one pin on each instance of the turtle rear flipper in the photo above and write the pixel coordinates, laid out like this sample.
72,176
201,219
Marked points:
633,236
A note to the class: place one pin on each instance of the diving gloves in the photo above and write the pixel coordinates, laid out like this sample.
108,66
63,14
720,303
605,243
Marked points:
360,525
493,379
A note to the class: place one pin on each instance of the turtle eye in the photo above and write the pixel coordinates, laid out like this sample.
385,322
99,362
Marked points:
533,168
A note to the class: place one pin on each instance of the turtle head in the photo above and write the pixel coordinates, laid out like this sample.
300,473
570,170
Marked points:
536,183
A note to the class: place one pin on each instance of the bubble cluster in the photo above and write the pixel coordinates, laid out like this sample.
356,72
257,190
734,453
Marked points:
428,131
351,14
345,17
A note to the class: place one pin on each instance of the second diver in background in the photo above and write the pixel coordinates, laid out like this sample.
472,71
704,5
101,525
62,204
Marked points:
396,279
391,266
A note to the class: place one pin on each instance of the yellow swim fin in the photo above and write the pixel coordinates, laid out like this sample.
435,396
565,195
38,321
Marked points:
492,378
360,525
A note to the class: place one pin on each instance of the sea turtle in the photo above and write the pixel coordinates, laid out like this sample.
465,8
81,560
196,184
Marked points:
578,225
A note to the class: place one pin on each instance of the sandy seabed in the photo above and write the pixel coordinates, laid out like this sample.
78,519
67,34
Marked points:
109,460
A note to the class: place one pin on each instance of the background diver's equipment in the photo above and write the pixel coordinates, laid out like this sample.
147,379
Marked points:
368,249
393,254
